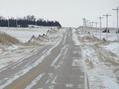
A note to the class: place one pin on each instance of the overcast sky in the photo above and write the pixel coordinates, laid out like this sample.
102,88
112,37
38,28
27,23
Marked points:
67,12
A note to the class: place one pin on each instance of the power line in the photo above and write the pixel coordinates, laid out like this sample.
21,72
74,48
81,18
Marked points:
100,18
84,22
117,10
107,16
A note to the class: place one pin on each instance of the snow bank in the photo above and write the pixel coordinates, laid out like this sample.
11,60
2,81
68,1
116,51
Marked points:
100,76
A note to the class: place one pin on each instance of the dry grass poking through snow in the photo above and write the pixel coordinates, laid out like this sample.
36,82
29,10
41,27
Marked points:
89,38
7,39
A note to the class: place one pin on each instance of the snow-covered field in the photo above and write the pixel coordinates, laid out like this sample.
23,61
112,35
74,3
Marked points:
24,34
100,58
112,36
113,47
13,53
107,36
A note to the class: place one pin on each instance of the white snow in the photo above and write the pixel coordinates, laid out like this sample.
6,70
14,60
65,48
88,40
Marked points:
107,36
112,36
24,34
13,53
113,47
110,83
13,47
24,71
100,76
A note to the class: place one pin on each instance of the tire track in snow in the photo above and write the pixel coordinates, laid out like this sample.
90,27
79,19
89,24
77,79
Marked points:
24,79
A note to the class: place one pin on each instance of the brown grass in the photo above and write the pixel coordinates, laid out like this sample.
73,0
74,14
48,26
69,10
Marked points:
7,39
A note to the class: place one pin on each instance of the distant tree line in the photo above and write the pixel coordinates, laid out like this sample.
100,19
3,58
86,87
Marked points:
26,21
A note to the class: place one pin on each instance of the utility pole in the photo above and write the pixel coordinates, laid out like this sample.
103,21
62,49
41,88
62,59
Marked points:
106,29
100,18
92,25
84,22
107,16
117,10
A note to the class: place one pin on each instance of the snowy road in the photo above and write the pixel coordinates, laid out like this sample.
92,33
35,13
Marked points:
73,63
59,69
